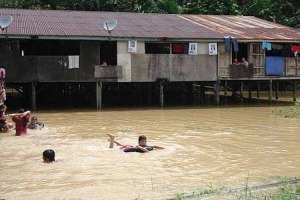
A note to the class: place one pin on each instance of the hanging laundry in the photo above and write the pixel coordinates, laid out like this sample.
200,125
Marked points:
266,45
73,62
227,44
235,44
295,48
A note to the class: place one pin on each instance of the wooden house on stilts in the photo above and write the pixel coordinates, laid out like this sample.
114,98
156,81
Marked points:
57,58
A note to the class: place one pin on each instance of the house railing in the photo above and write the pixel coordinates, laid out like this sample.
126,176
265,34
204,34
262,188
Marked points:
290,68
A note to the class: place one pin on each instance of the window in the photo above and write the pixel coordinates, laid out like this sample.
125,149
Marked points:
49,47
157,48
180,48
108,52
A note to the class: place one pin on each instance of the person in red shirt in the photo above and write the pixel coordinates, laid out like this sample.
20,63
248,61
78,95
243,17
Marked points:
21,120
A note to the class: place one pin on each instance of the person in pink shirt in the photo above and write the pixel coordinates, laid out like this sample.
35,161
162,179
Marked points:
21,120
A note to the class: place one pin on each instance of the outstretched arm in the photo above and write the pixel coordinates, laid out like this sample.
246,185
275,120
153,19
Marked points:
20,114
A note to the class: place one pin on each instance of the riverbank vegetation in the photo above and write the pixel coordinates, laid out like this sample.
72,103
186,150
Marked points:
288,112
286,12
284,189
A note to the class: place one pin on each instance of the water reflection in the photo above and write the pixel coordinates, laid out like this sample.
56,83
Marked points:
204,146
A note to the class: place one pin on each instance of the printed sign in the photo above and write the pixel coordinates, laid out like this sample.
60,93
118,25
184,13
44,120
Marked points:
132,45
193,48
213,49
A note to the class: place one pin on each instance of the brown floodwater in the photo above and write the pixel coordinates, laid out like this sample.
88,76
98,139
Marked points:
203,146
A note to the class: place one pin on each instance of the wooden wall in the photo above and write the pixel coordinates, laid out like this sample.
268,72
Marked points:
52,68
136,67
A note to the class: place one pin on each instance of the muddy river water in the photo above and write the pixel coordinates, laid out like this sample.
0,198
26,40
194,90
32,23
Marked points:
203,146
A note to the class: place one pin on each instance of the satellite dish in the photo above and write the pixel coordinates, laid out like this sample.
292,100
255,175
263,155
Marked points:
5,21
110,25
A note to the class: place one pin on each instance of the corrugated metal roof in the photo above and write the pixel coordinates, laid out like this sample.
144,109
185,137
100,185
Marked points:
90,24
81,24
246,27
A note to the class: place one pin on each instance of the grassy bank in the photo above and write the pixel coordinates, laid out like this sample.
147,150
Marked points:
285,189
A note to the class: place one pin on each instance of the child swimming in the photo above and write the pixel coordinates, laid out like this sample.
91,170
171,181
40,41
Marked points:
21,120
142,146
48,156
35,124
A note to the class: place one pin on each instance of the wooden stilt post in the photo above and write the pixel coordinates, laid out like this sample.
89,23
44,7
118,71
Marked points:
242,91
294,91
99,95
202,93
270,91
149,94
161,93
277,90
225,88
217,93
258,90
33,96
250,92
225,92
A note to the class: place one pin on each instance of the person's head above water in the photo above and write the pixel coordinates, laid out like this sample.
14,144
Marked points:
48,156
142,140
33,120
21,111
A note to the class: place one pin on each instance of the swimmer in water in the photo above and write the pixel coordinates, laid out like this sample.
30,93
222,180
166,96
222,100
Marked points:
142,146
48,156
35,124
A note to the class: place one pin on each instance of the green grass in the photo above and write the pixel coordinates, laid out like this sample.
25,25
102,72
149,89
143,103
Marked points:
284,189
288,112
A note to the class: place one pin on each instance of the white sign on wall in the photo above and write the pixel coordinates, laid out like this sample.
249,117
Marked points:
213,49
132,46
193,48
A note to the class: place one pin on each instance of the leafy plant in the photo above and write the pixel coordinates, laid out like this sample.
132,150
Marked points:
288,112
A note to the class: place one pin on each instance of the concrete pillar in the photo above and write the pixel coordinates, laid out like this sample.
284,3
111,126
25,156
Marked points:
99,95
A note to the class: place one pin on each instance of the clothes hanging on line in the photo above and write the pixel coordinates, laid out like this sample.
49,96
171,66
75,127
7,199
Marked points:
235,44
266,45
227,44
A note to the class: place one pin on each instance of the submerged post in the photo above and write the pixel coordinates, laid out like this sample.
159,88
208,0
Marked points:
161,93
99,95
33,96
270,91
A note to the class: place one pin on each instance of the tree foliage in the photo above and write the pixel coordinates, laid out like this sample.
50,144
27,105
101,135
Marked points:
286,12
